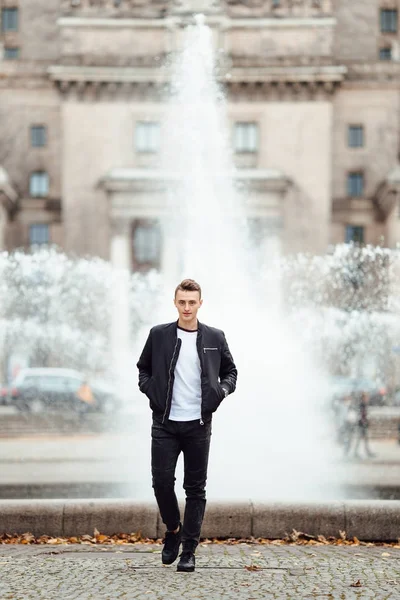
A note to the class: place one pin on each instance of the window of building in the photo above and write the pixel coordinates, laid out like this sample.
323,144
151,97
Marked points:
9,19
385,53
38,136
39,184
39,234
11,53
146,242
389,19
355,184
356,136
246,137
354,233
147,136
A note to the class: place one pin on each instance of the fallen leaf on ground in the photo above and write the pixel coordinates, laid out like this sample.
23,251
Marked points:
101,538
297,538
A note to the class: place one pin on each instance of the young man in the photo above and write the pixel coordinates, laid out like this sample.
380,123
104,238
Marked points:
185,370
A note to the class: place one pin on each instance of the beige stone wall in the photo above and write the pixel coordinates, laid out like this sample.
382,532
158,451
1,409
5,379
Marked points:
295,138
378,110
97,138
19,109
357,30
39,32
115,44
277,39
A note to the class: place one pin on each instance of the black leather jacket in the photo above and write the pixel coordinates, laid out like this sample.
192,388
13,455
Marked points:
158,360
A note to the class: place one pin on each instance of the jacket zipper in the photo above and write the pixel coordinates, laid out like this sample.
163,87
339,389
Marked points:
170,378
201,375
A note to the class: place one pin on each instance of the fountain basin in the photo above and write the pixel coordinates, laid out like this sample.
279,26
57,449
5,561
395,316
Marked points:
370,520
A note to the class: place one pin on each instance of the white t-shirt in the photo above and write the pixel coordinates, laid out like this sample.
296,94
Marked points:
186,393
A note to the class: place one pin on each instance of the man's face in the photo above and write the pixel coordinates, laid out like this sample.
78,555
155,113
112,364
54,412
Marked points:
187,303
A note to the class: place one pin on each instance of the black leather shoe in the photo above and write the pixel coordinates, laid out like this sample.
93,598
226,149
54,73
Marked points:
187,563
172,541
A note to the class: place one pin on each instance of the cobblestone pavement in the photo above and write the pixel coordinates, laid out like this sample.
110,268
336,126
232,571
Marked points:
82,572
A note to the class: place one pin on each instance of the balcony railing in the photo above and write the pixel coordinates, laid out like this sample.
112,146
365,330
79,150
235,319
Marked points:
279,8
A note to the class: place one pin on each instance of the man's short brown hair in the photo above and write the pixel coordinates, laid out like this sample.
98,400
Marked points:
188,285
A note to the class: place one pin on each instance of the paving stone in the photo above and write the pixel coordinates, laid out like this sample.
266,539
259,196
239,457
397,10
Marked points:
80,572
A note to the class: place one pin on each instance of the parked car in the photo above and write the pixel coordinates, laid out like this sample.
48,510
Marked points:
38,389
344,386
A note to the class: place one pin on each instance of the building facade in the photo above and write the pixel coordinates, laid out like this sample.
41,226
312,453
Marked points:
313,93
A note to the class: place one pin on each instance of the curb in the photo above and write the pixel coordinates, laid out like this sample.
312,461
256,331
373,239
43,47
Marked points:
369,520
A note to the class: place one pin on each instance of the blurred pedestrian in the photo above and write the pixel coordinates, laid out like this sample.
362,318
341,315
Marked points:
349,419
362,427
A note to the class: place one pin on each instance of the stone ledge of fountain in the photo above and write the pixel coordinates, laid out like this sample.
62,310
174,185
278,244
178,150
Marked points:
368,520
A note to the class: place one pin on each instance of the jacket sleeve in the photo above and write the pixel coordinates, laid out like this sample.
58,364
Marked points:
145,364
228,371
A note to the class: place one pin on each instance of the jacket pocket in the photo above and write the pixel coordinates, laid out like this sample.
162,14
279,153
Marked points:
215,397
153,395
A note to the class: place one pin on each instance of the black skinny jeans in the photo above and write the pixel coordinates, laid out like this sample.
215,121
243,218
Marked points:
168,441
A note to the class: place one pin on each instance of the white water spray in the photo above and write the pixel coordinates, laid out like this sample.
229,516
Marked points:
269,437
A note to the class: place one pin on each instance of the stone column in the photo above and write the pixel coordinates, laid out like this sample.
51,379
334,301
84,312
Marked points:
120,256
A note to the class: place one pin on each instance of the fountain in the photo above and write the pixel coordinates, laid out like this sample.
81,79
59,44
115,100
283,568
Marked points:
291,322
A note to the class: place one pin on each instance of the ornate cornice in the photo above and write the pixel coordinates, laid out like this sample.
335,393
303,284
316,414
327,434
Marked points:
281,90
92,83
153,180
134,193
373,71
